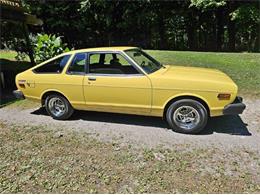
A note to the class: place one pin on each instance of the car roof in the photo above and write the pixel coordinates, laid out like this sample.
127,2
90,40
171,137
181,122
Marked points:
120,48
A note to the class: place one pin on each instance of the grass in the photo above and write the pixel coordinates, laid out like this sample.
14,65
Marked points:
8,54
243,68
9,63
37,159
23,104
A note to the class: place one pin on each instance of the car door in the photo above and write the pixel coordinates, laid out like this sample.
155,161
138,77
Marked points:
114,84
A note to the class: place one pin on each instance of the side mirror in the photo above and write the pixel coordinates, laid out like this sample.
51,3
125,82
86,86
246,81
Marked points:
137,54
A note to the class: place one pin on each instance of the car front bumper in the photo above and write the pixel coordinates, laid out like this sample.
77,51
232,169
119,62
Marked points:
18,94
236,107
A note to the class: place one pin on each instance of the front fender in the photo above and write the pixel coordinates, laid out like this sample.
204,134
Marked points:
186,95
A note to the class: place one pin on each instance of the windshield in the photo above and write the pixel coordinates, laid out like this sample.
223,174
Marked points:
145,61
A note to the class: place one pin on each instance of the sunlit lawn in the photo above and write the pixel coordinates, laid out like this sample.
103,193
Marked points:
8,61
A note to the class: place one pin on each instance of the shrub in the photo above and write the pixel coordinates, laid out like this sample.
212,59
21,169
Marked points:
45,47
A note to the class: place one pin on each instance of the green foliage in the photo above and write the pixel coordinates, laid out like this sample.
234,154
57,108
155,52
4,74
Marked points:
12,37
21,56
45,47
206,4
247,17
48,46
204,25
246,14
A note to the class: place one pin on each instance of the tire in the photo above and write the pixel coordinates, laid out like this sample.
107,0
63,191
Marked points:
190,123
58,107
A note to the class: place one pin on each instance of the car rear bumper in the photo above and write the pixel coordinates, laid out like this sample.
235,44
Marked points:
237,107
18,94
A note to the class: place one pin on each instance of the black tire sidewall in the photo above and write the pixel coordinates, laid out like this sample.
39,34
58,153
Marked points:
66,115
187,102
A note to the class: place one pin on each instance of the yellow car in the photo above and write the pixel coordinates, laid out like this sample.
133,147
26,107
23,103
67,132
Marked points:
128,80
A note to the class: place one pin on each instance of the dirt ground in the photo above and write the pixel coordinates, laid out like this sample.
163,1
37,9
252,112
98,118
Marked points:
226,132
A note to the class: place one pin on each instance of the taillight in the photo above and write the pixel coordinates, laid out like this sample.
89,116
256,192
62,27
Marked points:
21,83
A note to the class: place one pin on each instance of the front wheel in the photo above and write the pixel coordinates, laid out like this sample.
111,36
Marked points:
58,107
187,116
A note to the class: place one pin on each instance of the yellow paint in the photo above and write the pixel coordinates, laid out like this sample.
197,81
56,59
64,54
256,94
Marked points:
144,94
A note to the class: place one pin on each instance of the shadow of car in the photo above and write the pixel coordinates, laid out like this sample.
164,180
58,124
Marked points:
232,124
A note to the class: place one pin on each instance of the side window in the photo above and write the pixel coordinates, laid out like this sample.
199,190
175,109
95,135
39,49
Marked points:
110,63
123,61
95,58
108,58
78,64
54,66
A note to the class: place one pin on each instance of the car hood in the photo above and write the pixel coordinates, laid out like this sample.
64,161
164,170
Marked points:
195,73
198,78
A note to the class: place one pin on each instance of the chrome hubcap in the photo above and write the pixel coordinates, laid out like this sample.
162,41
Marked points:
57,107
186,117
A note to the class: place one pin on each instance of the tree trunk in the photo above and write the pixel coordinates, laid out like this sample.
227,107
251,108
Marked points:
161,29
220,29
257,42
191,32
28,42
231,29
231,36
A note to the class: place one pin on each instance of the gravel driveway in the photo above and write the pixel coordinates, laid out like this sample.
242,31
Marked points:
227,132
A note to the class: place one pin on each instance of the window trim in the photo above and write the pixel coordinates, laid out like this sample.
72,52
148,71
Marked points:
148,56
144,53
85,66
140,73
50,60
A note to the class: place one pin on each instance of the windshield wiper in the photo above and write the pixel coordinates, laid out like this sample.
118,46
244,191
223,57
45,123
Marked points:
162,65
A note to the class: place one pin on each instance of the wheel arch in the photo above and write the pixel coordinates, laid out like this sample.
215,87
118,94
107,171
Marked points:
46,93
186,96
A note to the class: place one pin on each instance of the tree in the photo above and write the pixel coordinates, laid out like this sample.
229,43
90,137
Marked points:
247,17
210,25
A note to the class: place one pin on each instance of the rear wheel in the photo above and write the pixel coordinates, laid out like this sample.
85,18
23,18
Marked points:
187,116
58,107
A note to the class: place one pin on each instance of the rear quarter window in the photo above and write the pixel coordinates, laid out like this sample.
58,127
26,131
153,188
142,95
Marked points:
54,66
78,64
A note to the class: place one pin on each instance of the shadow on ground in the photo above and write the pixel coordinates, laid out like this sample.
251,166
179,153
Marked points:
6,97
9,69
232,125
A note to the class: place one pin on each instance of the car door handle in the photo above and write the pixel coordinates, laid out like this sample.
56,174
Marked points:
92,78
